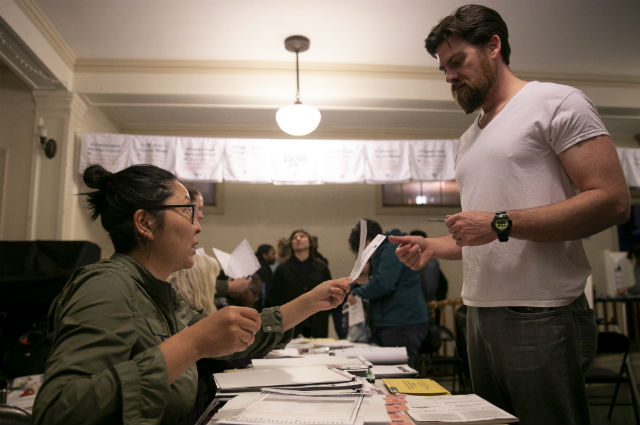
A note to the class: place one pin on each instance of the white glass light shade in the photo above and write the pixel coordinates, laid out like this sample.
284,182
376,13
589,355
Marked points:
298,119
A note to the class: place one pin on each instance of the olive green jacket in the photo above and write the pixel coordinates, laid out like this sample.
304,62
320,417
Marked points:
105,366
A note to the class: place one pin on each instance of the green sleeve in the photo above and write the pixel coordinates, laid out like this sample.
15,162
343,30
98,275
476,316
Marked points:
222,288
91,376
270,336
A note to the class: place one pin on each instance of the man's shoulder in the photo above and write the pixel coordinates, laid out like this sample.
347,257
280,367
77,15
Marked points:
548,90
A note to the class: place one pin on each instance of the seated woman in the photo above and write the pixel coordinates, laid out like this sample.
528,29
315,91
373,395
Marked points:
125,344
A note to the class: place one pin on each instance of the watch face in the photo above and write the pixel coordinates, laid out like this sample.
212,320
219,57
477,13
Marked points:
501,224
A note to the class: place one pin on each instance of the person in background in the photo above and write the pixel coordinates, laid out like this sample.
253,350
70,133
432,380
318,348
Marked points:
397,313
266,255
299,274
537,172
316,253
224,285
124,343
284,251
632,255
250,297
197,283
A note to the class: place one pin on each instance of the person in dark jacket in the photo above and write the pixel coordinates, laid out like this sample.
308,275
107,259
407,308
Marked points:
397,311
297,275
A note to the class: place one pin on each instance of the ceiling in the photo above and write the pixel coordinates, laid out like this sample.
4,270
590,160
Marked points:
203,66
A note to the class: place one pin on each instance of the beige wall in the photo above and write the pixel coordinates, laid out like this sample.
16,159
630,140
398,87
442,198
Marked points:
17,143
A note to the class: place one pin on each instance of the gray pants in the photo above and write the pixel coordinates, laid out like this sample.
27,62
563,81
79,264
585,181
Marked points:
530,361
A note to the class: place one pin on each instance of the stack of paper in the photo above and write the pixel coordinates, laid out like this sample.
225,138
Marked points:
458,409
303,377
268,408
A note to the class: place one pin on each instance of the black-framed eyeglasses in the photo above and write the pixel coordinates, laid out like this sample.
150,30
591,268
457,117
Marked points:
192,207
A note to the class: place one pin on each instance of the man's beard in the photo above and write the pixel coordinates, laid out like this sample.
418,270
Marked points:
472,94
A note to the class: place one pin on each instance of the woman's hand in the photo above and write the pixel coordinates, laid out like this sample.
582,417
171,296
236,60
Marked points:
327,295
226,331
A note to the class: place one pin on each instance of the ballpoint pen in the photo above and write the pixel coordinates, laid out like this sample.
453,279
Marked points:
436,219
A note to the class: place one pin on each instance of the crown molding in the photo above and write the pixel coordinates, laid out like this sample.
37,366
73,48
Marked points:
42,23
23,62
271,132
353,70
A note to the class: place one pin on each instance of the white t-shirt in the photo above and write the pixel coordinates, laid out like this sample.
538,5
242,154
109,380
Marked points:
512,164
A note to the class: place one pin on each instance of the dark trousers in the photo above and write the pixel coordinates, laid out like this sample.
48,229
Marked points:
530,361
402,336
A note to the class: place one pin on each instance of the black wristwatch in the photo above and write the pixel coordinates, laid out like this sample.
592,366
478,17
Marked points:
501,224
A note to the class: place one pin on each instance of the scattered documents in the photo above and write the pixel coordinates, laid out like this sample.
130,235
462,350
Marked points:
241,262
459,409
415,386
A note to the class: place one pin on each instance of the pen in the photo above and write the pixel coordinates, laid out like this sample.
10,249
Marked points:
436,219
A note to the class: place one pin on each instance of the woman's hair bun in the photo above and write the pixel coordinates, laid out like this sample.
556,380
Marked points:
96,177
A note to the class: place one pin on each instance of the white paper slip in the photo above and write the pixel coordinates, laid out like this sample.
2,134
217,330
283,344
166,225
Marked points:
364,256
240,263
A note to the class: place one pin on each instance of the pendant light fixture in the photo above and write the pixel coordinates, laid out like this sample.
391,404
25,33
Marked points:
297,119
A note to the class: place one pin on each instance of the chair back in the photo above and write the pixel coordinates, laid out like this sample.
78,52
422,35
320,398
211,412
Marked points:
444,314
613,343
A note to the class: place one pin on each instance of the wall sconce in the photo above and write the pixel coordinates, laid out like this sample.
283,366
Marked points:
297,119
48,145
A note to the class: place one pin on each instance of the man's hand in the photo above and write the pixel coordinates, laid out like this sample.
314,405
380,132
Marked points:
471,228
414,251
238,285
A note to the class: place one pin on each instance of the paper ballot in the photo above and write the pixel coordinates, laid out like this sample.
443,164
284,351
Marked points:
364,253
241,262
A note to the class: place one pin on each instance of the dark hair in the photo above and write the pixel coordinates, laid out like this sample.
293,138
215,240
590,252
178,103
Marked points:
373,228
119,195
634,252
473,23
418,233
193,192
312,247
263,249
